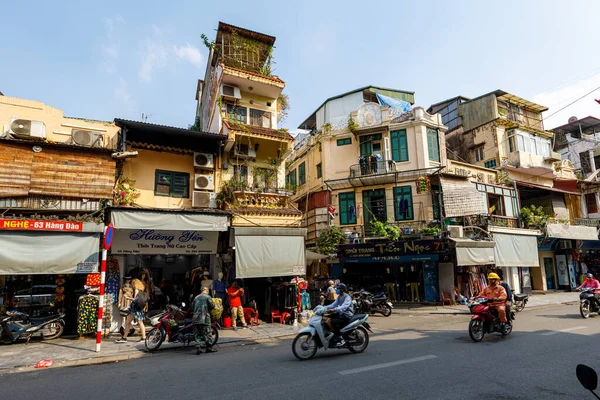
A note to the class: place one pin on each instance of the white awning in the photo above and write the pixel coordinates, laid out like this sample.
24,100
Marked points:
269,252
31,253
168,220
311,256
566,231
474,252
516,250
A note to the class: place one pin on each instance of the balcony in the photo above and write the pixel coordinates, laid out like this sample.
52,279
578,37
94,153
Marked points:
372,168
521,159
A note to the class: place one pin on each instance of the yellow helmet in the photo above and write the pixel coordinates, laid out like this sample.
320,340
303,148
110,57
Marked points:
493,275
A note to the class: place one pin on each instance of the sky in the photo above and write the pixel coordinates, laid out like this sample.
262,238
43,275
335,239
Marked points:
121,59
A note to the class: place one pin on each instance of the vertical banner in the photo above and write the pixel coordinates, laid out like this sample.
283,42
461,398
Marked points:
562,268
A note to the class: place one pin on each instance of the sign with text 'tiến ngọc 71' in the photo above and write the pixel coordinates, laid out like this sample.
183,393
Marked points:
39,225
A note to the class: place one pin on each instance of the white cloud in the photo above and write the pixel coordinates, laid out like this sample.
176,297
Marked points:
111,49
124,96
154,55
558,98
189,53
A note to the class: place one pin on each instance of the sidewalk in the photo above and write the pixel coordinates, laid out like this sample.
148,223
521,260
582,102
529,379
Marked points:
72,352
535,300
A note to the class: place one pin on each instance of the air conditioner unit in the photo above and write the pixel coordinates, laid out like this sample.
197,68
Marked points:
565,244
456,231
204,200
243,150
231,92
27,129
87,138
204,160
204,182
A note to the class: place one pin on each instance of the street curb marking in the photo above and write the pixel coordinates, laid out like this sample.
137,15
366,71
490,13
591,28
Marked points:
386,365
575,328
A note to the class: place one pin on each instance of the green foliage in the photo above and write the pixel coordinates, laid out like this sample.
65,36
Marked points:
504,178
380,228
329,239
534,217
125,194
196,126
326,127
431,231
228,188
352,125
283,107
210,44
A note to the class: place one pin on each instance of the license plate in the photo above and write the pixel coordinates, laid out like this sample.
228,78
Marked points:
389,304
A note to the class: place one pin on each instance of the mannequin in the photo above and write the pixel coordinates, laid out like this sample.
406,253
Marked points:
206,281
413,279
219,287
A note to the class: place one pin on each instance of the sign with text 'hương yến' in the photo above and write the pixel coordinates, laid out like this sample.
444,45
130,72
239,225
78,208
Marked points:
156,241
40,225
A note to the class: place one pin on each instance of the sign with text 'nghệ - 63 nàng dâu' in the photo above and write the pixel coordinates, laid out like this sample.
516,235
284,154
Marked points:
39,225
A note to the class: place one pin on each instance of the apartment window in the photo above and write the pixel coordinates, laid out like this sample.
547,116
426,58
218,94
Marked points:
347,208
591,204
433,145
302,174
374,205
490,163
479,153
586,166
344,142
319,171
290,179
399,145
172,184
240,172
496,204
236,114
528,143
260,118
370,144
403,203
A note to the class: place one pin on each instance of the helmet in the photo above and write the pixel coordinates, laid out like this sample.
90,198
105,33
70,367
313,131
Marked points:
589,275
341,286
493,275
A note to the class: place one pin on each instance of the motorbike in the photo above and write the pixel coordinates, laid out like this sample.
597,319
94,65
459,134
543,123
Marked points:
372,304
167,327
317,335
17,325
485,320
588,302
520,300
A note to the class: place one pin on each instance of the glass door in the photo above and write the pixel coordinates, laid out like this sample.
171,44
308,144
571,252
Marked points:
549,267
374,206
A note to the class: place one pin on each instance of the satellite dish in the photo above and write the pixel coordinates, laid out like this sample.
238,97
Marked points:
572,119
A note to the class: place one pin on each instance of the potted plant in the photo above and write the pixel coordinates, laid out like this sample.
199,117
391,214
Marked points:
423,185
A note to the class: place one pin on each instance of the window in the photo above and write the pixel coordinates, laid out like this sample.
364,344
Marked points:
479,153
495,204
590,202
347,208
367,146
527,143
302,174
260,118
319,171
290,179
399,146
490,163
344,142
433,145
586,166
374,206
173,184
236,114
403,204
240,172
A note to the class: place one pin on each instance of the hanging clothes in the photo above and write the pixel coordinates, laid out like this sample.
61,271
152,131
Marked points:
87,314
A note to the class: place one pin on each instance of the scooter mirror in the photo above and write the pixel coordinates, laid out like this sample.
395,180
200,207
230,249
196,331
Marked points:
587,377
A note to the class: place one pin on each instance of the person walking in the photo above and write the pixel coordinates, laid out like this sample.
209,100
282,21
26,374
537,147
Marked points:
202,306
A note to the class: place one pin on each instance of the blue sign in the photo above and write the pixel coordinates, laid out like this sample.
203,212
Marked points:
108,236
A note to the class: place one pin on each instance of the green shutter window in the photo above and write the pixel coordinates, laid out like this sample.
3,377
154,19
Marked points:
293,179
287,180
403,203
433,146
319,171
302,174
173,184
399,146
344,142
347,208
490,163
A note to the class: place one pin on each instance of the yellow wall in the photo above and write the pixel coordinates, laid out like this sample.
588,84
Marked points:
260,104
58,127
472,172
142,169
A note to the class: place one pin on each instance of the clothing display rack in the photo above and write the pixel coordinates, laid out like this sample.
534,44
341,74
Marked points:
471,280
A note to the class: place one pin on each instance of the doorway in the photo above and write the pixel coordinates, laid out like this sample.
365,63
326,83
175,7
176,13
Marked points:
550,276
374,205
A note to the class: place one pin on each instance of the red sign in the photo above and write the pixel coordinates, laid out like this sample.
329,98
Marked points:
331,209
36,225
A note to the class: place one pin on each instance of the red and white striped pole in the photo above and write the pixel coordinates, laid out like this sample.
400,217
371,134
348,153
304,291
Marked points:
108,237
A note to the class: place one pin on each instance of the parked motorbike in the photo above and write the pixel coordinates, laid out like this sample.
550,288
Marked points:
17,325
588,302
485,320
317,335
167,327
520,300
371,304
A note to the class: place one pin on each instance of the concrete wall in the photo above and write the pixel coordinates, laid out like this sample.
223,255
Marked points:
479,112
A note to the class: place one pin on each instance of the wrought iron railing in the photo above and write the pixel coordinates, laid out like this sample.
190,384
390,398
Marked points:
368,168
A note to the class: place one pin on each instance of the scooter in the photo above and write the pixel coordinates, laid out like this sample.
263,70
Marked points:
17,325
378,303
316,335
520,301
166,327
486,320
588,302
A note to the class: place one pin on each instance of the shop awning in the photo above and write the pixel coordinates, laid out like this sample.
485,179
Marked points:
566,231
311,256
168,220
33,253
516,250
269,252
474,252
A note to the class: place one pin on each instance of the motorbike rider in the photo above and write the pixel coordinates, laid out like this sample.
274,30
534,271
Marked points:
342,311
496,292
590,282
509,295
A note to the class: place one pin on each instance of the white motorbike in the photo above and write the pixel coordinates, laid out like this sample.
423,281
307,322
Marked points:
317,335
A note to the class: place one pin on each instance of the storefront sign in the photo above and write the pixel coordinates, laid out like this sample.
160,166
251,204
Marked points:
561,266
37,225
299,270
391,251
150,241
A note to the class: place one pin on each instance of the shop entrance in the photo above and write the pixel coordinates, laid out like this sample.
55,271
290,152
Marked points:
550,275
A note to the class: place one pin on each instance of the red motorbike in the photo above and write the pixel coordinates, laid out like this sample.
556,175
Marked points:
485,319
174,326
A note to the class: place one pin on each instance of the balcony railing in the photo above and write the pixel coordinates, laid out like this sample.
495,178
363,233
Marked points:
372,168
595,222
497,220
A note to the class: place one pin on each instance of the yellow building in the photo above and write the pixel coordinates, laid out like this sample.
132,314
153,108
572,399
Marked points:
364,156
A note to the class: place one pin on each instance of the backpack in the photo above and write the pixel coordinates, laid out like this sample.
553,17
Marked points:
140,300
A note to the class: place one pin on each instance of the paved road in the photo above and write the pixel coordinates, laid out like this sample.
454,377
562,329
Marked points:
409,357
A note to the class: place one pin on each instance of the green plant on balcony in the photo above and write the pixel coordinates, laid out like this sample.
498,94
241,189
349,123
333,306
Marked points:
434,231
125,194
534,217
329,239
352,125
326,127
381,228
283,106
228,188
503,178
